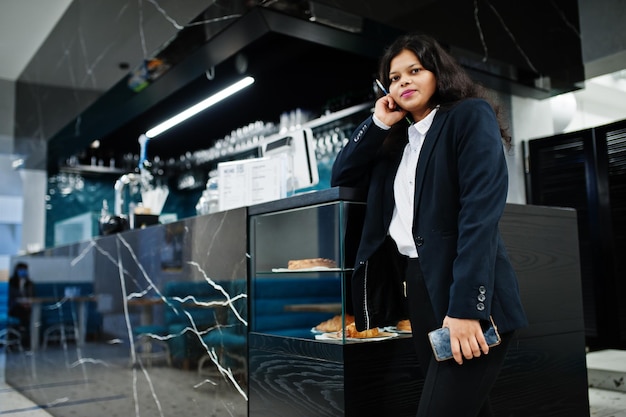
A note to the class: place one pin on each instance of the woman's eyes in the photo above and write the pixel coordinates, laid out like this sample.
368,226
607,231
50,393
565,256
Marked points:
413,71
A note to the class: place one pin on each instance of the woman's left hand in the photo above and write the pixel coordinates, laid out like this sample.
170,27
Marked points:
466,338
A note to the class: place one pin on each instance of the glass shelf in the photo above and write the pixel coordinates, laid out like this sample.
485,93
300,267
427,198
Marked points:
292,303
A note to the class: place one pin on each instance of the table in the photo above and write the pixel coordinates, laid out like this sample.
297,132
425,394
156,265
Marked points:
146,304
35,317
315,307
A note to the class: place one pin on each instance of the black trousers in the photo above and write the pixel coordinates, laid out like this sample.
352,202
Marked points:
450,389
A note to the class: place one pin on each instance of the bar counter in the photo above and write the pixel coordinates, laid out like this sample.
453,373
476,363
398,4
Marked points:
201,349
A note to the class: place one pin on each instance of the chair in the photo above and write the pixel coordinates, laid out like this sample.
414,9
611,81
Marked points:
187,319
60,332
57,318
56,314
58,323
230,348
9,335
148,346
229,340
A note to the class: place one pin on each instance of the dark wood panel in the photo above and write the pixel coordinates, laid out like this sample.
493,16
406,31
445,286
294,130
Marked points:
543,377
382,379
542,243
373,378
283,385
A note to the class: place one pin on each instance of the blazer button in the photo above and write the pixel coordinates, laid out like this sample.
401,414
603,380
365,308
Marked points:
481,297
482,289
419,241
480,306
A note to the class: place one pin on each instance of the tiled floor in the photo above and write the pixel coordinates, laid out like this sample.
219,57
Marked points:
603,402
606,374
14,404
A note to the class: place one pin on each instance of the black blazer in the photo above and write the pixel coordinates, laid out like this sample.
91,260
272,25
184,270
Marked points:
460,194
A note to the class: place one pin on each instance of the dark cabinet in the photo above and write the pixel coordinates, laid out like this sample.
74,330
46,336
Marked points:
586,170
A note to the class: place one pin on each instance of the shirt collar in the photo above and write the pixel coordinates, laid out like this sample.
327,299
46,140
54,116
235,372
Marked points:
418,130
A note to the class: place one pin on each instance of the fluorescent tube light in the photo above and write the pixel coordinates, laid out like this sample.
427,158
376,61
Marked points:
196,108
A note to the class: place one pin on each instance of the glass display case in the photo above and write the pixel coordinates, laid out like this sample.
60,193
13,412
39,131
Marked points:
301,264
300,361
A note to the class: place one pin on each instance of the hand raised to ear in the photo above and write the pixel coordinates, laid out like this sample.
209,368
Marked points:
387,111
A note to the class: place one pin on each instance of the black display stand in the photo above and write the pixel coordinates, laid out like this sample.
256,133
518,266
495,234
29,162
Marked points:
297,377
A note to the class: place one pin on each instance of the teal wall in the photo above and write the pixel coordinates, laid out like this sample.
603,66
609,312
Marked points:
89,197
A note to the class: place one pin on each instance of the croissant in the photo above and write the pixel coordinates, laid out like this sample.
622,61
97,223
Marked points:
334,324
404,325
352,332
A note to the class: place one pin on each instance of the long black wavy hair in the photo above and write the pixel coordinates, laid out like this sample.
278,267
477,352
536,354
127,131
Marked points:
453,82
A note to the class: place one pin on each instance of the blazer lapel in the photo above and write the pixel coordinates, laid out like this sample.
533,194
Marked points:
388,200
432,136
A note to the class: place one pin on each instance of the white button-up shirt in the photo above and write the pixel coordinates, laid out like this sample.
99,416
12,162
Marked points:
401,227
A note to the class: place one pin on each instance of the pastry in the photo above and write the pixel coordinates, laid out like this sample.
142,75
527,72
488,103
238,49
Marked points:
311,263
352,332
333,324
404,325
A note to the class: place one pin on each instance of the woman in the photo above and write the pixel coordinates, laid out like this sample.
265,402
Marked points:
430,243
20,288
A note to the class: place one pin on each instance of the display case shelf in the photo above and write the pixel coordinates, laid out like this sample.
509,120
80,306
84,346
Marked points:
304,271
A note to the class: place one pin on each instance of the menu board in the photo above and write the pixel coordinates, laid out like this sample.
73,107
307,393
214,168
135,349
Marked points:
251,181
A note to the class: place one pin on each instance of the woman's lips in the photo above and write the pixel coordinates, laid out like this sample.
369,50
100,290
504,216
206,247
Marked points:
408,93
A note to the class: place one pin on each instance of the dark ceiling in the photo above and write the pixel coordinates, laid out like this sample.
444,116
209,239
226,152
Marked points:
312,54
296,64
536,38
310,76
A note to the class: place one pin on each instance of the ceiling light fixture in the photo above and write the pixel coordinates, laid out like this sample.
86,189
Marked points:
196,108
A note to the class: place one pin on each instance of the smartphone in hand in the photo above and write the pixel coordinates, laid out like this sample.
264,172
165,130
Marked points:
440,340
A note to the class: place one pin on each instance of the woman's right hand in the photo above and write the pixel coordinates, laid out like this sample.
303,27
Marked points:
387,111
